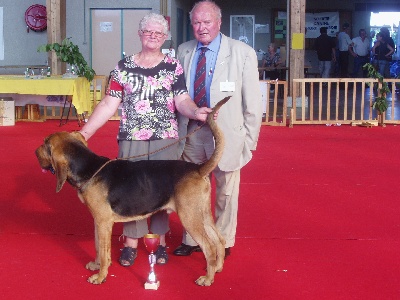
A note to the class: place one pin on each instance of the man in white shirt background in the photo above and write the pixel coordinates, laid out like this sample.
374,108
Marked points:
360,50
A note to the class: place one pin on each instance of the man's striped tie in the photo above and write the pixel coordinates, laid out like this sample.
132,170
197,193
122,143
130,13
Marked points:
200,97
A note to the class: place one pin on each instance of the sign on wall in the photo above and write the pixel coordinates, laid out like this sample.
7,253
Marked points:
242,29
327,19
314,21
280,29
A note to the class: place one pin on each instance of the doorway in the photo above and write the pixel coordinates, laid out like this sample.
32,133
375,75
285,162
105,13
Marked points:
113,34
390,20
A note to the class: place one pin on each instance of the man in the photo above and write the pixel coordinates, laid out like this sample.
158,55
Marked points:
360,49
325,46
231,70
344,43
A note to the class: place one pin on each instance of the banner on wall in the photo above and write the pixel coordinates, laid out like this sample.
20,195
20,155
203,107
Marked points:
327,19
1,35
314,21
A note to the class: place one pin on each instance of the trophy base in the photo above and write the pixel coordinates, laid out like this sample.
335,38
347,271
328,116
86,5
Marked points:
152,286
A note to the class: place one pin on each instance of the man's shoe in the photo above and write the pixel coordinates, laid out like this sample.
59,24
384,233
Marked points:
185,250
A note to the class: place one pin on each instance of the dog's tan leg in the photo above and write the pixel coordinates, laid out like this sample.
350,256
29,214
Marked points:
219,243
200,225
213,247
95,265
104,231
210,255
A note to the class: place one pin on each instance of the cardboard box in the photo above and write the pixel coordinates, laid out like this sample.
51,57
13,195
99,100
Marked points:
7,111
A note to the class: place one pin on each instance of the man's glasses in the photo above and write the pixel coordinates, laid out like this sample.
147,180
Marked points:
157,34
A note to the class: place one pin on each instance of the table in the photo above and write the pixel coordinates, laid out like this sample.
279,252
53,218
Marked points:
280,69
78,88
36,67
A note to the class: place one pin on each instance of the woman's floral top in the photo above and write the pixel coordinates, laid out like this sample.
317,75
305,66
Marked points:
271,61
148,109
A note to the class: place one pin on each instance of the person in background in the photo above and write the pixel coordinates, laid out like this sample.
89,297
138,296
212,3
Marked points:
344,43
231,68
325,47
272,60
373,61
385,31
371,38
360,49
386,34
382,52
151,87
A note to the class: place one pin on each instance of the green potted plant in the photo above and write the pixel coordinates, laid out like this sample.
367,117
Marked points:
380,102
70,54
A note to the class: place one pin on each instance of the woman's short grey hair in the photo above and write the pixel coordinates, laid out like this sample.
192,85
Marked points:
154,18
216,8
273,46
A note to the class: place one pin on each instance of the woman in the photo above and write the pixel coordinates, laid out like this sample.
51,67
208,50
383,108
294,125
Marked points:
271,60
382,52
151,87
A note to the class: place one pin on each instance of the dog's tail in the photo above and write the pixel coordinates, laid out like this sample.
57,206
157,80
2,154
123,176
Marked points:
210,165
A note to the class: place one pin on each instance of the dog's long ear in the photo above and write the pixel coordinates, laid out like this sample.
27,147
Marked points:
60,165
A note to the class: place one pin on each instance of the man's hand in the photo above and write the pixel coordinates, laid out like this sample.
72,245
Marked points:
201,113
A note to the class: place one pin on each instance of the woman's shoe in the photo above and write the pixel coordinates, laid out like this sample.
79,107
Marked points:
161,255
128,256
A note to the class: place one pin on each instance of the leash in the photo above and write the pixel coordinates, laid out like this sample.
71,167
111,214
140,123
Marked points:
140,155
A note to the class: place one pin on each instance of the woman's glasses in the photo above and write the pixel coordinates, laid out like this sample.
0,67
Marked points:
157,34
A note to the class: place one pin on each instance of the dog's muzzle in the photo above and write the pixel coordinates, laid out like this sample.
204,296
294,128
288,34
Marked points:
51,169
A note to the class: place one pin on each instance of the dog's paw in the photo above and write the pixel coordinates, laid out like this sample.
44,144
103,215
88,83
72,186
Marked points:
204,281
95,279
93,266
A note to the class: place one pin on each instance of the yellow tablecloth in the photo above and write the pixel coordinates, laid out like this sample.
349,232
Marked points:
78,88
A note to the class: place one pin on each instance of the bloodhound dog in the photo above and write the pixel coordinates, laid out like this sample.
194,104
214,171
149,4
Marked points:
120,190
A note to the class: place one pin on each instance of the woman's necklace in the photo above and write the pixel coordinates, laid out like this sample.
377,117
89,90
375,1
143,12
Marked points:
150,62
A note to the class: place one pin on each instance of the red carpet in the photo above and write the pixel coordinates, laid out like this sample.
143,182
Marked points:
318,219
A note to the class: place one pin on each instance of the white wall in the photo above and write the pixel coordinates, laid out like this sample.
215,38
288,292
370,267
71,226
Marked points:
20,46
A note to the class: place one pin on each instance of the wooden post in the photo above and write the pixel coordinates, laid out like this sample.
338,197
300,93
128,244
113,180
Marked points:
297,32
56,31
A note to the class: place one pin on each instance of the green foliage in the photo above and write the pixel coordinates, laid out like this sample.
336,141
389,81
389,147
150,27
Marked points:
69,53
380,103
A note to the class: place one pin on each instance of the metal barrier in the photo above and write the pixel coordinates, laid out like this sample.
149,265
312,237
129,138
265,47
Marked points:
341,101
